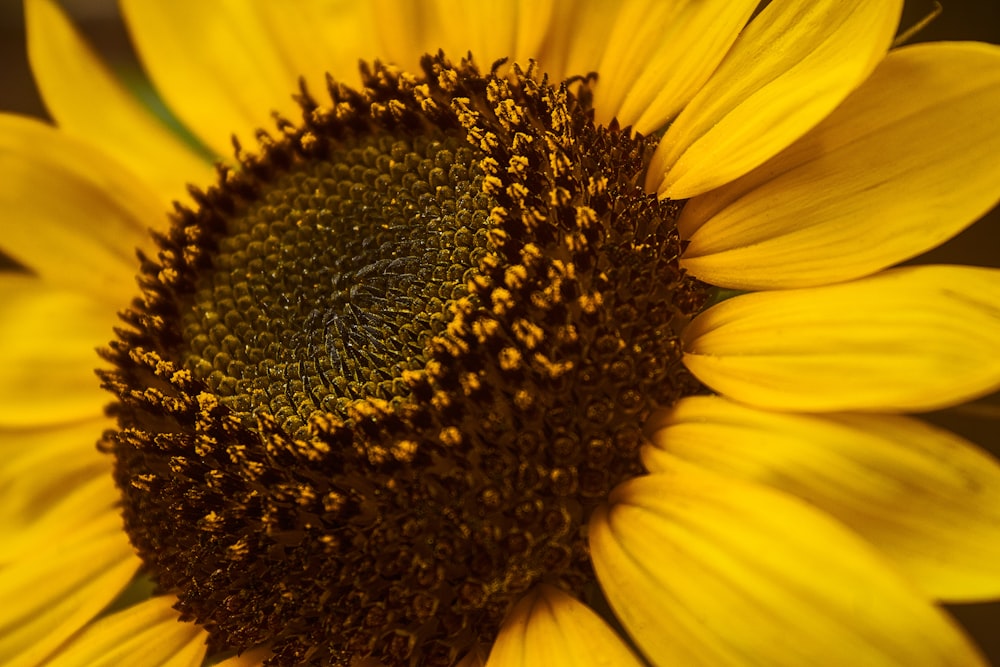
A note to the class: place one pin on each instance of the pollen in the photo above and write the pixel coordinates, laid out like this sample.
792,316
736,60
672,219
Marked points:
379,376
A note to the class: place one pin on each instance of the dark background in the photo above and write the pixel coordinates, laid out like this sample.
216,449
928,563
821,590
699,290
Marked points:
960,20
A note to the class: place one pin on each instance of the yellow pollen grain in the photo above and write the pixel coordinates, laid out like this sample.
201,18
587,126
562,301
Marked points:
441,400
596,186
502,299
498,237
490,165
334,502
523,399
404,450
554,369
541,301
239,549
308,141
470,383
489,141
448,80
492,185
528,333
510,358
484,329
521,142
559,196
575,241
518,192
515,276
585,217
590,303
518,165
498,215
143,482
450,436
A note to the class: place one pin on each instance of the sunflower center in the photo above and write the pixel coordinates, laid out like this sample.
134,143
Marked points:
328,287
380,377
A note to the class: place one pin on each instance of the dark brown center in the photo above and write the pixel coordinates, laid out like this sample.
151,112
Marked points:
378,380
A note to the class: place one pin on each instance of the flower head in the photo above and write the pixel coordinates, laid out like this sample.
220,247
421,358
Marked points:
439,368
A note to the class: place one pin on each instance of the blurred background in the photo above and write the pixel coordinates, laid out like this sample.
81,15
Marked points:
960,20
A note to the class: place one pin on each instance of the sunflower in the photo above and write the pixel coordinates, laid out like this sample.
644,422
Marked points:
554,334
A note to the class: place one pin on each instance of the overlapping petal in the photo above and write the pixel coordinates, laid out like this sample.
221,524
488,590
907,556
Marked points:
148,634
516,31
87,101
706,570
578,40
549,627
71,214
218,65
927,499
48,338
53,592
908,339
317,38
795,62
660,55
905,163
53,480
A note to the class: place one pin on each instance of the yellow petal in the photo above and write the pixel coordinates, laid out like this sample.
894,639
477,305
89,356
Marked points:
217,64
795,62
578,38
922,130
704,570
489,30
149,634
42,469
48,338
52,593
927,499
71,214
87,101
494,29
660,54
77,506
549,627
323,37
908,339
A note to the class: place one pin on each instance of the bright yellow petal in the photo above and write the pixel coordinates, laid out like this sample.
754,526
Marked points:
576,43
72,214
86,100
660,54
52,593
149,634
705,570
42,470
217,64
909,339
907,162
549,627
489,30
494,29
927,499
795,62
408,30
323,37
48,338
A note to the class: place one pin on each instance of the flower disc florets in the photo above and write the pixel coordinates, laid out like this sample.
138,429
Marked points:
379,378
